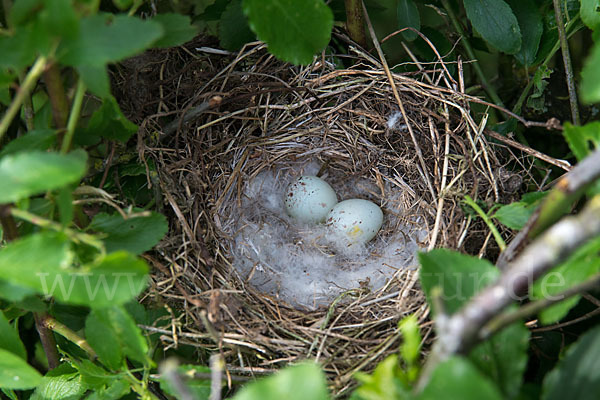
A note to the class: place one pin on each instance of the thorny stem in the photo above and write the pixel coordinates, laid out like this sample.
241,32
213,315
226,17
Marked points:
73,117
463,38
564,45
57,95
355,22
488,221
30,80
63,330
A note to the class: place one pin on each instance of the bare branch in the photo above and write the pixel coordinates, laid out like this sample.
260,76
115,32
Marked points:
566,191
459,332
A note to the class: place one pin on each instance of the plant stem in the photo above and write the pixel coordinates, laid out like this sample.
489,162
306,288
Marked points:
517,107
488,221
9,227
355,21
73,117
30,80
69,334
47,339
564,45
28,110
48,224
57,95
471,54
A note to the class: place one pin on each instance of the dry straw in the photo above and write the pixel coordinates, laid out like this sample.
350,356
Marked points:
237,114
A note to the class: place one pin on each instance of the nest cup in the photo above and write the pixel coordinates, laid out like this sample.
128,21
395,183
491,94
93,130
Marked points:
256,119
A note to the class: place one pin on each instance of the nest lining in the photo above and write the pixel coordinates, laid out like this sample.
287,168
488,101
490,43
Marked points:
273,114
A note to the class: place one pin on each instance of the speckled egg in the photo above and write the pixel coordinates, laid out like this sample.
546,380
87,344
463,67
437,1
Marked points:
309,199
356,220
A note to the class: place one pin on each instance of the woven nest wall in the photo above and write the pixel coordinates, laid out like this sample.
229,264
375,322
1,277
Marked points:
213,122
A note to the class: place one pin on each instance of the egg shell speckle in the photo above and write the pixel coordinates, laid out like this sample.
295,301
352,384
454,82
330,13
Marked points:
309,199
356,220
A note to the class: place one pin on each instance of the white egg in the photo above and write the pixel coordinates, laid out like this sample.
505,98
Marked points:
309,199
356,220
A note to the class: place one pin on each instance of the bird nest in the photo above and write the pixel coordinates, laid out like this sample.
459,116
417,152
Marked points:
213,122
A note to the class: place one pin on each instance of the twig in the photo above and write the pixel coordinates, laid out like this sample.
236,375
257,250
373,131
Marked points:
461,331
562,164
48,322
47,339
168,370
533,308
74,235
22,93
399,101
216,376
564,46
566,191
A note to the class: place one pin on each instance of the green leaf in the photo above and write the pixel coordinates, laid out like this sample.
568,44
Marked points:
14,293
577,375
234,31
41,139
503,358
459,276
298,382
177,29
516,214
15,373
19,50
64,200
52,253
407,14
590,77
95,78
537,99
496,23
578,268
113,279
135,235
107,38
60,384
457,378
27,174
104,340
9,338
109,122
531,26
200,388
214,11
115,390
582,140
121,327
122,4
590,13
384,383
294,30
